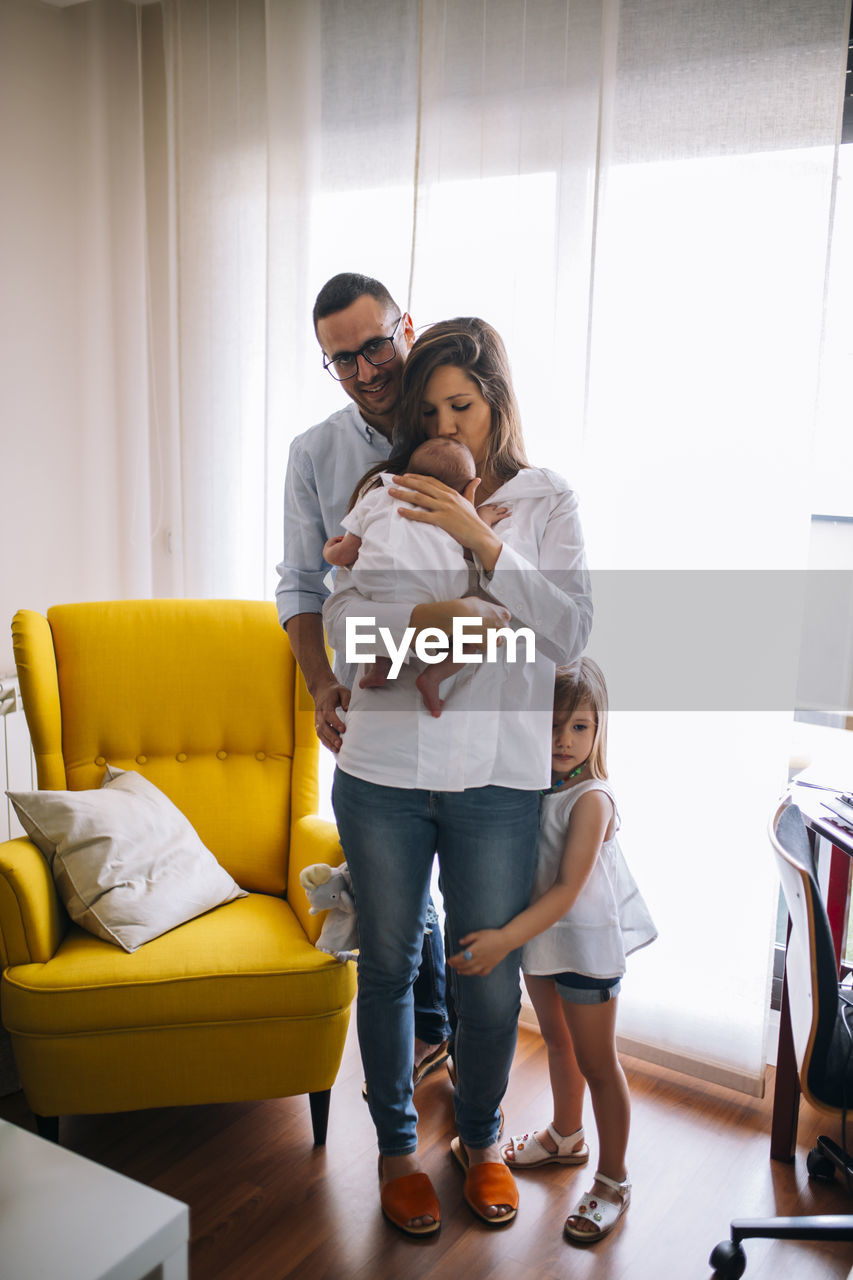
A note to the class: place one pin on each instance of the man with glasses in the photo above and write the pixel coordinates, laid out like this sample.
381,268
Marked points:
365,338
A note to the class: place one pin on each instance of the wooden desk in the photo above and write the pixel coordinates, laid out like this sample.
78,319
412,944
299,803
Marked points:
833,848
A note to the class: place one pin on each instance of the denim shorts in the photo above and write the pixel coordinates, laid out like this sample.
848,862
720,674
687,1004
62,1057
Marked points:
577,988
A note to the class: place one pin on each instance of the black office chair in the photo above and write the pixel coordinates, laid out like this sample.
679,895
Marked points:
822,1025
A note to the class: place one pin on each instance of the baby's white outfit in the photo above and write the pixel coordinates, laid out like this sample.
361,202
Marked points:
403,559
609,918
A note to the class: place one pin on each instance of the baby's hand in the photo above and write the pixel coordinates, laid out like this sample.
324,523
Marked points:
481,952
342,550
490,513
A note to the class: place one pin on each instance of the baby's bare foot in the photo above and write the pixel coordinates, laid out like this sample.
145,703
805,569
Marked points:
429,692
375,677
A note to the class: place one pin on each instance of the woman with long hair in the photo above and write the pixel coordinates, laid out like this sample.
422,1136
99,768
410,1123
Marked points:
464,785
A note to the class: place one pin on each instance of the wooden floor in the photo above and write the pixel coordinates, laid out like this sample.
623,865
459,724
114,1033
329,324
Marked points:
265,1204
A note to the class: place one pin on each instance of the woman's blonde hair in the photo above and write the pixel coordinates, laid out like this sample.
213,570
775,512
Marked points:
576,685
472,345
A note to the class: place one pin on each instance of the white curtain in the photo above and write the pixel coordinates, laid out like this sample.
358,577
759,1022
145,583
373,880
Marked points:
638,195
717,165
75,518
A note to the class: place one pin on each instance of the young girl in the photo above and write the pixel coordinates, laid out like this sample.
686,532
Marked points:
586,915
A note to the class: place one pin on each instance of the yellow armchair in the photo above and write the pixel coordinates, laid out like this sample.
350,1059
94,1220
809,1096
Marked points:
205,700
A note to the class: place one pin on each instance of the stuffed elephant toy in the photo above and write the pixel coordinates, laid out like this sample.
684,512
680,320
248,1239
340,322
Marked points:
330,889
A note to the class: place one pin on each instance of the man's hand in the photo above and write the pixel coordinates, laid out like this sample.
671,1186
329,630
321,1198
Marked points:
305,632
327,721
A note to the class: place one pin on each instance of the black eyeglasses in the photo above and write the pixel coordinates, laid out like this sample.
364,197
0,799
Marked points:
376,351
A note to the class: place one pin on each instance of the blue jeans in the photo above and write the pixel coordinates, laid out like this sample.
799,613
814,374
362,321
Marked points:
430,986
485,839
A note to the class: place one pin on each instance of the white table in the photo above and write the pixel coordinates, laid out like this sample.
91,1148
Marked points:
63,1217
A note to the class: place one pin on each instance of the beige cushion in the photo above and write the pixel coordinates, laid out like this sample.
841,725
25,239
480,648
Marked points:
127,864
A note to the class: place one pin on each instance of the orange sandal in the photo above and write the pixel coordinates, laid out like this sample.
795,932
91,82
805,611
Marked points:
412,1196
487,1184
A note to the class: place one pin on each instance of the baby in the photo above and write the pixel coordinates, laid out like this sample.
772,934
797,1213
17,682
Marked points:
391,551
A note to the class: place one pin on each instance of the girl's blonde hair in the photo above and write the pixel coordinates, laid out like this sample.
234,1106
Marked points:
583,683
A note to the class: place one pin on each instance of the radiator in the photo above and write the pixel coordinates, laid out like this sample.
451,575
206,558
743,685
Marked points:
17,773
17,767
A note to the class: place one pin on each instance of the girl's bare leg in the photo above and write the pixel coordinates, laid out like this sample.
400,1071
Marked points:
592,1029
567,1083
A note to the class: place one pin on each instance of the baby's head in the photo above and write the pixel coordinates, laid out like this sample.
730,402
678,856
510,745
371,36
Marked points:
445,459
581,685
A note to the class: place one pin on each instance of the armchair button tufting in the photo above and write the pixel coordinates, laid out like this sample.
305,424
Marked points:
181,757
222,755
141,759
260,755
100,761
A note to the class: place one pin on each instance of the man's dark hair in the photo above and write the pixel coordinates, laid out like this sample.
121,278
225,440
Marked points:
343,290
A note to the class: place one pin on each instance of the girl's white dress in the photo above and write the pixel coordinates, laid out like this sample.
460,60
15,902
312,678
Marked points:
609,918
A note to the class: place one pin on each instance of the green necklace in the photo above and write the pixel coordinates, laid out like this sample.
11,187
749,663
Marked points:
555,786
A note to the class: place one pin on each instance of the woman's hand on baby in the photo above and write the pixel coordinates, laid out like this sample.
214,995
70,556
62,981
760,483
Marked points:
480,953
436,503
439,614
494,616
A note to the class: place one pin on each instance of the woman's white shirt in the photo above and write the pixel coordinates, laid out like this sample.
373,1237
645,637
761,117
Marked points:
495,726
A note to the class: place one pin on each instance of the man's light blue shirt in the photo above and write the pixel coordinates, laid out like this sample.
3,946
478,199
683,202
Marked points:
325,464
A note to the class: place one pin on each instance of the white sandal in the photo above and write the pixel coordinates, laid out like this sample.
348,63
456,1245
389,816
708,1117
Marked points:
529,1153
603,1214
